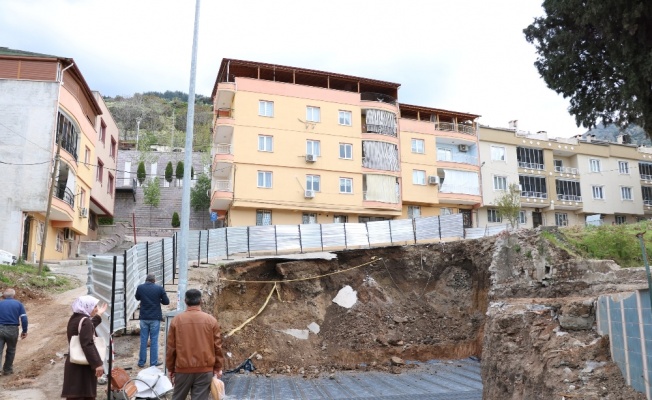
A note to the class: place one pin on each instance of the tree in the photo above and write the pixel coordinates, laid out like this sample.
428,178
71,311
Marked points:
179,171
140,173
175,220
168,172
152,196
597,54
200,194
509,204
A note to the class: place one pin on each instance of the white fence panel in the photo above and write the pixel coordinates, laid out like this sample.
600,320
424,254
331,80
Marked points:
311,236
452,225
356,235
427,228
379,232
474,233
288,237
402,230
236,240
262,238
217,243
133,278
333,235
168,259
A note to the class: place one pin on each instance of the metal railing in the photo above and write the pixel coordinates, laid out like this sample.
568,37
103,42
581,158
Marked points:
223,186
453,127
398,198
566,170
379,97
568,197
646,177
66,195
534,195
647,202
459,158
460,189
224,113
224,148
527,165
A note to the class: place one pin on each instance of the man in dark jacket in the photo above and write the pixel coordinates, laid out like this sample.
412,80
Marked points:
151,297
194,350
12,313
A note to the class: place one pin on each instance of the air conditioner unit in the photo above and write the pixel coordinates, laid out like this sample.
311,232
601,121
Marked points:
68,234
309,194
311,158
463,148
83,212
433,180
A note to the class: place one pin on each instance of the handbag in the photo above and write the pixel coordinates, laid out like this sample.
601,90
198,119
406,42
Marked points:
120,380
217,389
76,353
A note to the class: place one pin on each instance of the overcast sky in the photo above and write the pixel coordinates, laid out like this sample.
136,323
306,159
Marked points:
462,55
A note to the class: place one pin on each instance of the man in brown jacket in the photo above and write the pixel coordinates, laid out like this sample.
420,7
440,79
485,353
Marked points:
194,350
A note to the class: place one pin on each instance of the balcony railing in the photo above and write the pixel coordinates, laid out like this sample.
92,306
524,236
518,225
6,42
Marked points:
566,170
398,198
568,197
527,165
460,158
66,195
224,148
535,195
224,113
382,98
453,127
647,202
646,177
223,186
460,189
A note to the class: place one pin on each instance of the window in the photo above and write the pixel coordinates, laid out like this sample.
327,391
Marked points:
561,219
263,217
418,146
312,182
110,186
87,157
100,171
265,143
313,114
626,193
522,219
493,216
264,179
345,118
309,218
414,211
559,165
58,246
444,154
313,147
114,145
529,158
595,165
102,131
445,211
346,185
598,192
39,233
346,151
266,108
500,182
418,177
340,219
623,167
621,219
497,153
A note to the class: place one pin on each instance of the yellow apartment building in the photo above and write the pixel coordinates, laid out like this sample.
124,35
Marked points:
293,145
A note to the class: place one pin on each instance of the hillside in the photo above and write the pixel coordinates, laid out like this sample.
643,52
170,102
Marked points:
611,132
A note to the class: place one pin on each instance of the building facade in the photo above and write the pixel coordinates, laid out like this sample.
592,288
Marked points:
44,100
565,181
293,146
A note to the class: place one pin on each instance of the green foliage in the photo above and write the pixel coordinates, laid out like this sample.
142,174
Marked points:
175,220
105,220
597,54
610,133
152,193
528,254
25,275
517,248
141,174
192,172
200,194
509,204
179,170
169,170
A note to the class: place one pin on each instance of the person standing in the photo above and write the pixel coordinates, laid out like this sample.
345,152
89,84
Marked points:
194,350
80,381
151,297
12,313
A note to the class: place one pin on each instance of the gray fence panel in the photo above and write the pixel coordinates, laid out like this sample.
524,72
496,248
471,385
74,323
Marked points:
311,236
494,230
168,257
193,244
261,238
217,244
452,225
156,260
101,270
288,237
237,239
356,235
141,261
427,228
474,233
333,235
133,279
379,232
402,230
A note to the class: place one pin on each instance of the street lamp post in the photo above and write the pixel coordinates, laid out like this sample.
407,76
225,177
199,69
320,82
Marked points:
137,130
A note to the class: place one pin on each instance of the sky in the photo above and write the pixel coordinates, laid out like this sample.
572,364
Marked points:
462,55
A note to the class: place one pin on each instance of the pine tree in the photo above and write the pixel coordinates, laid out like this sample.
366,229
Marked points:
140,173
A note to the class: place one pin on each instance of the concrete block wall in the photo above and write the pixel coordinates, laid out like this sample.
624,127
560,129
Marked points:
627,319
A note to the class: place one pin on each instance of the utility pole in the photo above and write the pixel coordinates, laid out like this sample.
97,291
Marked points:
185,198
49,208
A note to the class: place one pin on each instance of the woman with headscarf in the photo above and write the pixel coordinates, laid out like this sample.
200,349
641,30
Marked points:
80,381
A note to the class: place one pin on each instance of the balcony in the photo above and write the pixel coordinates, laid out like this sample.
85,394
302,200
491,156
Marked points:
569,197
646,177
528,165
224,95
222,194
458,158
453,127
378,97
564,170
224,113
534,195
66,195
647,202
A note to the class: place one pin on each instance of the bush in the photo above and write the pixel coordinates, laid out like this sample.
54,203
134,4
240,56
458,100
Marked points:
175,220
105,220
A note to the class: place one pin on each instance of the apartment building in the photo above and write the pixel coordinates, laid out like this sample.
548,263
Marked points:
45,100
564,181
293,145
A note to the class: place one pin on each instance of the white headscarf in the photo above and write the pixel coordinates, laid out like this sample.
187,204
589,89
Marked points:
84,305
